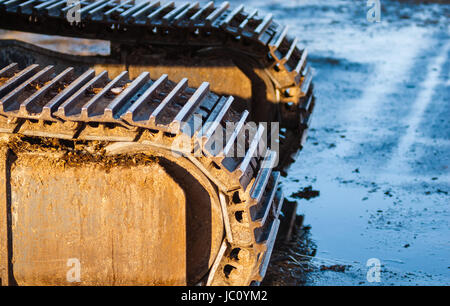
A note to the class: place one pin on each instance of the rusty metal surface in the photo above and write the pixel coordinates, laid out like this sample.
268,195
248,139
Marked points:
4,208
59,209
87,213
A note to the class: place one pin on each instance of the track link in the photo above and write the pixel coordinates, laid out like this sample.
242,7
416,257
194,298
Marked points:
38,102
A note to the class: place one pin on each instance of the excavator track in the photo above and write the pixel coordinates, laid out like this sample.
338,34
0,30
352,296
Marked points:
256,41
130,116
129,113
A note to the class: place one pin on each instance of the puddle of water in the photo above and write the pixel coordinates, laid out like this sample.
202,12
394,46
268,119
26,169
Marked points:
351,225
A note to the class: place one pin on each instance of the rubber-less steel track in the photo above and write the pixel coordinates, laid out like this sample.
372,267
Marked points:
36,101
165,24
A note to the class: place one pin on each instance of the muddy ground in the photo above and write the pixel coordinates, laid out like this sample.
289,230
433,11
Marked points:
373,180
379,148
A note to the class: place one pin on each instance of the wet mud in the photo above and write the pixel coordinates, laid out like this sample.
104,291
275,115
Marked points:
378,150
74,153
